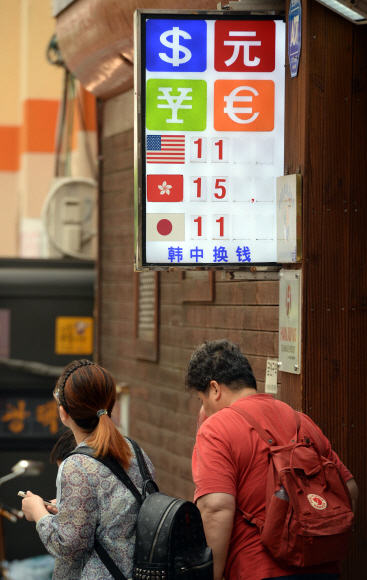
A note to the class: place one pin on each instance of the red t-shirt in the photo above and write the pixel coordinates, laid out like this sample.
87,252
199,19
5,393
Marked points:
230,457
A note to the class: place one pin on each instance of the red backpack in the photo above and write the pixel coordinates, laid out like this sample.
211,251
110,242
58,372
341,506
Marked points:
308,517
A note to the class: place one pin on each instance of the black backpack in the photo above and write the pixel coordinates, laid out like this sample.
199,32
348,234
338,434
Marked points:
170,542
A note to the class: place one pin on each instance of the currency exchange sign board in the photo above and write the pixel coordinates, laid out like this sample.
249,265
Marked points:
210,119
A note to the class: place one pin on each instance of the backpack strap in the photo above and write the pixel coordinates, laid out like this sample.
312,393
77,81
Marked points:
249,518
149,485
119,471
261,432
140,459
108,562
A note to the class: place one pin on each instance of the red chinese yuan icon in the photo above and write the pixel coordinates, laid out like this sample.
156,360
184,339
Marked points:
244,46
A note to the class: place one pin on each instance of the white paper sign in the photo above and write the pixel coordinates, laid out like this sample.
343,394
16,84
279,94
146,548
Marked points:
271,376
288,221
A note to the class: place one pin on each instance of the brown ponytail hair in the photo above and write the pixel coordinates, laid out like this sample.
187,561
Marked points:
83,389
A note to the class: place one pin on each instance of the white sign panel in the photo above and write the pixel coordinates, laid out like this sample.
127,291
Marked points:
211,138
290,320
289,206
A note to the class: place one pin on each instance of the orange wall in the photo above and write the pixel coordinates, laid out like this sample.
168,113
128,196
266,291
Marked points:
9,148
29,110
39,126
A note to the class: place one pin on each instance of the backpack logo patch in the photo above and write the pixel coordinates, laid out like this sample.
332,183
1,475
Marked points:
316,501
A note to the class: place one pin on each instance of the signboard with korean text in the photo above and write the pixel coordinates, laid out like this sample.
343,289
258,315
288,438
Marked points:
209,138
290,285
22,415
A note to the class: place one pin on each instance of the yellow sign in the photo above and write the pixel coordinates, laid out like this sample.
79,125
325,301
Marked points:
74,335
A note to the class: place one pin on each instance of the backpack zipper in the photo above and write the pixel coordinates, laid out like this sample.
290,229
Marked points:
159,529
183,569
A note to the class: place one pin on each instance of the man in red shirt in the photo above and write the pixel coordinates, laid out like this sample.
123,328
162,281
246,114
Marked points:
230,463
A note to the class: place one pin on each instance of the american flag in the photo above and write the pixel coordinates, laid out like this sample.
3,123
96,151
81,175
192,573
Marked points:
165,148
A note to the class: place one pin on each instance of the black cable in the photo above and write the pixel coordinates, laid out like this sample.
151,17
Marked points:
53,53
61,125
92,164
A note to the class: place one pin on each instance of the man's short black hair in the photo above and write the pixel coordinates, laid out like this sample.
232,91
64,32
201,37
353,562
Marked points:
221,361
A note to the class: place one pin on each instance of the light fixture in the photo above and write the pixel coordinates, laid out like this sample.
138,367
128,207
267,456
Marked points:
354,11
23,467
27,467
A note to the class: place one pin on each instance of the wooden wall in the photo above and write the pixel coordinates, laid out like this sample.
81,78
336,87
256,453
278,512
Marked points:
326,134
163,415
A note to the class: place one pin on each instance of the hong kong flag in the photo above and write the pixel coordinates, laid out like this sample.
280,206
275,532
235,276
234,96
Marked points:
166,188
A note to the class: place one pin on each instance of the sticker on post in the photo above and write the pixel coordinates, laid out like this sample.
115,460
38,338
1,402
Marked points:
271,376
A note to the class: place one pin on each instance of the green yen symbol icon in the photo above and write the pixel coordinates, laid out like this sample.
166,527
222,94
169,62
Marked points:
176,105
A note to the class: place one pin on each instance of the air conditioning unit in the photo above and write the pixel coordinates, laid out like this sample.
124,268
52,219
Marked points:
70,218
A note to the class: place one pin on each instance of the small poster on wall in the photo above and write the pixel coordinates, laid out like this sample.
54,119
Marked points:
290,321
289,219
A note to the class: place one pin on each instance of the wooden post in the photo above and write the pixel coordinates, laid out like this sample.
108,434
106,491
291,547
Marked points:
325,136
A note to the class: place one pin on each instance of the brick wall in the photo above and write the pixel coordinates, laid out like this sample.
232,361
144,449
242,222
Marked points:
162,414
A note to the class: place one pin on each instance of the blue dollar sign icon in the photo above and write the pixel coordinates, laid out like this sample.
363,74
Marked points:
176,45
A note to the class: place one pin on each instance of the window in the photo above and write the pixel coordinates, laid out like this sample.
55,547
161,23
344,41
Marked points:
146,315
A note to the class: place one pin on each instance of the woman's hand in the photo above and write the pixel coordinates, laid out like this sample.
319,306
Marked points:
33,507
50,509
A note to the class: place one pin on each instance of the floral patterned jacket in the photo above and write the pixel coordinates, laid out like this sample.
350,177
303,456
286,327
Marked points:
92,503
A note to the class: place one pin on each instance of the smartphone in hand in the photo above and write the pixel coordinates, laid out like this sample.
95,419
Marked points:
45,501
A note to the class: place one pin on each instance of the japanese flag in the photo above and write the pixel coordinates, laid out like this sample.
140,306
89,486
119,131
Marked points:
166,188
165,227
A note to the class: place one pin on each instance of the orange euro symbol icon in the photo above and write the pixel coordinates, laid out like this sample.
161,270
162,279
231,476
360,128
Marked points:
244,105
234,112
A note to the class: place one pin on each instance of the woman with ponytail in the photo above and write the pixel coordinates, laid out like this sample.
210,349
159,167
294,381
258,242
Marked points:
92,503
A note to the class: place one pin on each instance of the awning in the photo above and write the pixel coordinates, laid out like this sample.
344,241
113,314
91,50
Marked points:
95,38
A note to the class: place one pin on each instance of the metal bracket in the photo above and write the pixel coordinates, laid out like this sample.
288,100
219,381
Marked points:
254,6
253,273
